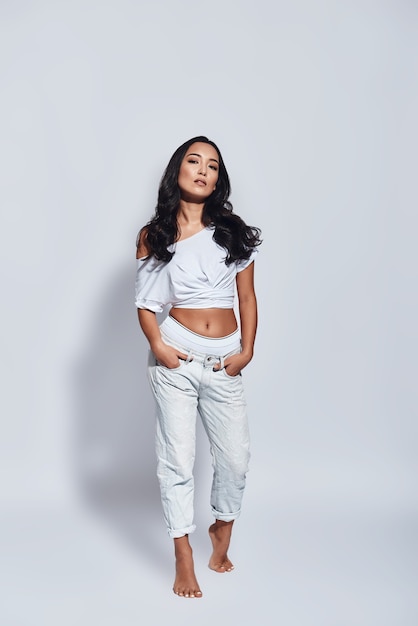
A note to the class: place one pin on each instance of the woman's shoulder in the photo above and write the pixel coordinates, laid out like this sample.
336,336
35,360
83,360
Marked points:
142,246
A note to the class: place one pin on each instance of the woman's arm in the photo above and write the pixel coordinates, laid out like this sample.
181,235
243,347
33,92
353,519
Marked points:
166,355
248,320
247,309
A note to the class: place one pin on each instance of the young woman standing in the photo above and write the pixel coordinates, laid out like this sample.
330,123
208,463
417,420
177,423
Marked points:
194,255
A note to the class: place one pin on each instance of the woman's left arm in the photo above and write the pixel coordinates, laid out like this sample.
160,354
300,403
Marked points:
248,318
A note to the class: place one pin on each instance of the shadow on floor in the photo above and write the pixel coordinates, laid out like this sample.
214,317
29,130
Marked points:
113,447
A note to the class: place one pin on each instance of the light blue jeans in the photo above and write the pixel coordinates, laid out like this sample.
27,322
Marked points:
181,393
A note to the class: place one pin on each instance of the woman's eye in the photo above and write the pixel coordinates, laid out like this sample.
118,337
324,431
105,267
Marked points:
213,167
192,161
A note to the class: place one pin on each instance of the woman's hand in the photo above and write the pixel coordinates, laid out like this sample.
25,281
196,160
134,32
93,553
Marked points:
235,363
167,355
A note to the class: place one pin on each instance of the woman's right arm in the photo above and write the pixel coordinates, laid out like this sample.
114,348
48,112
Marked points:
166,355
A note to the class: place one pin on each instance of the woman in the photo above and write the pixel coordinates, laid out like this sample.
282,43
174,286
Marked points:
191,256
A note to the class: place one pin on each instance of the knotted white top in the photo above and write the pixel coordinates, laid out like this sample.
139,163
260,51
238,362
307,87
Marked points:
195,278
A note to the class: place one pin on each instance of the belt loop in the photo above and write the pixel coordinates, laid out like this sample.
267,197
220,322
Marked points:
189,356
222,362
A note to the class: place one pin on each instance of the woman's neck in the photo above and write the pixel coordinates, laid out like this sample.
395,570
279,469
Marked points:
190,214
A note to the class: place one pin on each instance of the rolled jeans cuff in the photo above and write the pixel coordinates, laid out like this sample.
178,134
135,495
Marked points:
225,517
181,532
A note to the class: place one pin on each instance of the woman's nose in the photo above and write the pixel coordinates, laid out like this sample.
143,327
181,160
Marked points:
202,169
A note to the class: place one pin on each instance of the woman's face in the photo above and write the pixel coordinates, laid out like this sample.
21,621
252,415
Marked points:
198,172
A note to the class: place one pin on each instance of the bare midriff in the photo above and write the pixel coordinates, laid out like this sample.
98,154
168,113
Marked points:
207,322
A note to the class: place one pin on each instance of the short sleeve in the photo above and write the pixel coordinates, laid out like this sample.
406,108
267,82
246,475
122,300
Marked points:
151,286
244,263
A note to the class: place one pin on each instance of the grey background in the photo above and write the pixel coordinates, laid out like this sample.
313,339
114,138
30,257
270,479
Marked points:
313,105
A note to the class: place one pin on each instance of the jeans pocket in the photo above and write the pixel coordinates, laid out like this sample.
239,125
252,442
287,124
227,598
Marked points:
170,369
228,375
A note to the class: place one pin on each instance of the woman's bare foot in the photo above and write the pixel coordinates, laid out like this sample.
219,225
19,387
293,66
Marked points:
185,584
220,534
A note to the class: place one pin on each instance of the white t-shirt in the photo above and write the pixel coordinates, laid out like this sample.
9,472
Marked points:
195,278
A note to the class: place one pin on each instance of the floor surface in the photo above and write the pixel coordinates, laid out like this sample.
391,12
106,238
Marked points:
112,565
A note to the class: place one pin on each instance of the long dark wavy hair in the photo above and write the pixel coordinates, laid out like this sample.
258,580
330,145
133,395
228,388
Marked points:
230,231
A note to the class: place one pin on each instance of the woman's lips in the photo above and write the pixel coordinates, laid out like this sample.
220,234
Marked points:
200,182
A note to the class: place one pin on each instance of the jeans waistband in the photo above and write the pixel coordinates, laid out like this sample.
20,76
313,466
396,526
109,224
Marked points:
200,346
207,360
